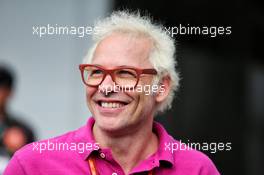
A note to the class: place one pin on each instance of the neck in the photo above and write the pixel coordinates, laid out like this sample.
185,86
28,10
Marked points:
141,140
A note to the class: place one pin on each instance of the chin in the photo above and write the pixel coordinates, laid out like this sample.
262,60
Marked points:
110,124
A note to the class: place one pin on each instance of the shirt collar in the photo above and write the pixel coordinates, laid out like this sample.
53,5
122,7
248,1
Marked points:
85,135
164,138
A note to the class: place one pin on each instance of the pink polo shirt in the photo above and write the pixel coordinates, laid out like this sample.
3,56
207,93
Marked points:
68,154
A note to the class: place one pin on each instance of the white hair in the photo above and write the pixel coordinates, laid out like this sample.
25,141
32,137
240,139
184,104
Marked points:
162,55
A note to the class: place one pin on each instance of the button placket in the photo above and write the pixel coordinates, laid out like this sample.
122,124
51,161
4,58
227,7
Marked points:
102,155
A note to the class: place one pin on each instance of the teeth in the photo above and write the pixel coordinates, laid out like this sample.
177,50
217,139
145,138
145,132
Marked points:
111,105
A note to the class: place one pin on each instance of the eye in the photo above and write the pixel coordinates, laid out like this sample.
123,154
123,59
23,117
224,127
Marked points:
96,72
126,73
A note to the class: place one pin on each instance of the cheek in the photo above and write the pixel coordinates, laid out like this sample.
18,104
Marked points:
146,106
143,103
89,93
147,101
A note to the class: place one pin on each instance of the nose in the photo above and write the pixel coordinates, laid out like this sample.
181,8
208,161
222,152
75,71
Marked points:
107,86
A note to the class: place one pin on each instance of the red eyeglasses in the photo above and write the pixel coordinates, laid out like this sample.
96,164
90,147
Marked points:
124,76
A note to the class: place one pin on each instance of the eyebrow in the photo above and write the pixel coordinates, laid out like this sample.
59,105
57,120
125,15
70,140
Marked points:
114,66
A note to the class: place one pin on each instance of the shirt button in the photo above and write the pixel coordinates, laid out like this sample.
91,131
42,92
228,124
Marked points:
114,173
102,155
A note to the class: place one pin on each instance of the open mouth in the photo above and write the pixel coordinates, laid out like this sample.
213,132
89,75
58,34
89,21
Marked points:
112,104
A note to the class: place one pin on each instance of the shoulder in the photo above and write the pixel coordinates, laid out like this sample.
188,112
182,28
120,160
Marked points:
185,159
48,146
192,159
40,154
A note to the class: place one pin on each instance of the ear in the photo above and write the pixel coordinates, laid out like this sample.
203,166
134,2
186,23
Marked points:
164,89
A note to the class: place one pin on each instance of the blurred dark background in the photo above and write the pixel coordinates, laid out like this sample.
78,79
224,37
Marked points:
221,98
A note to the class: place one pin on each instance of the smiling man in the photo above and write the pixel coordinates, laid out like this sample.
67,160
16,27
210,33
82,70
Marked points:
129,54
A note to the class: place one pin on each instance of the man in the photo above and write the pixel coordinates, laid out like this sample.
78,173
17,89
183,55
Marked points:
13,133
129,54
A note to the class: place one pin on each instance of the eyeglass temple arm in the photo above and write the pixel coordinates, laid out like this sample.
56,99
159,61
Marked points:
149,71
